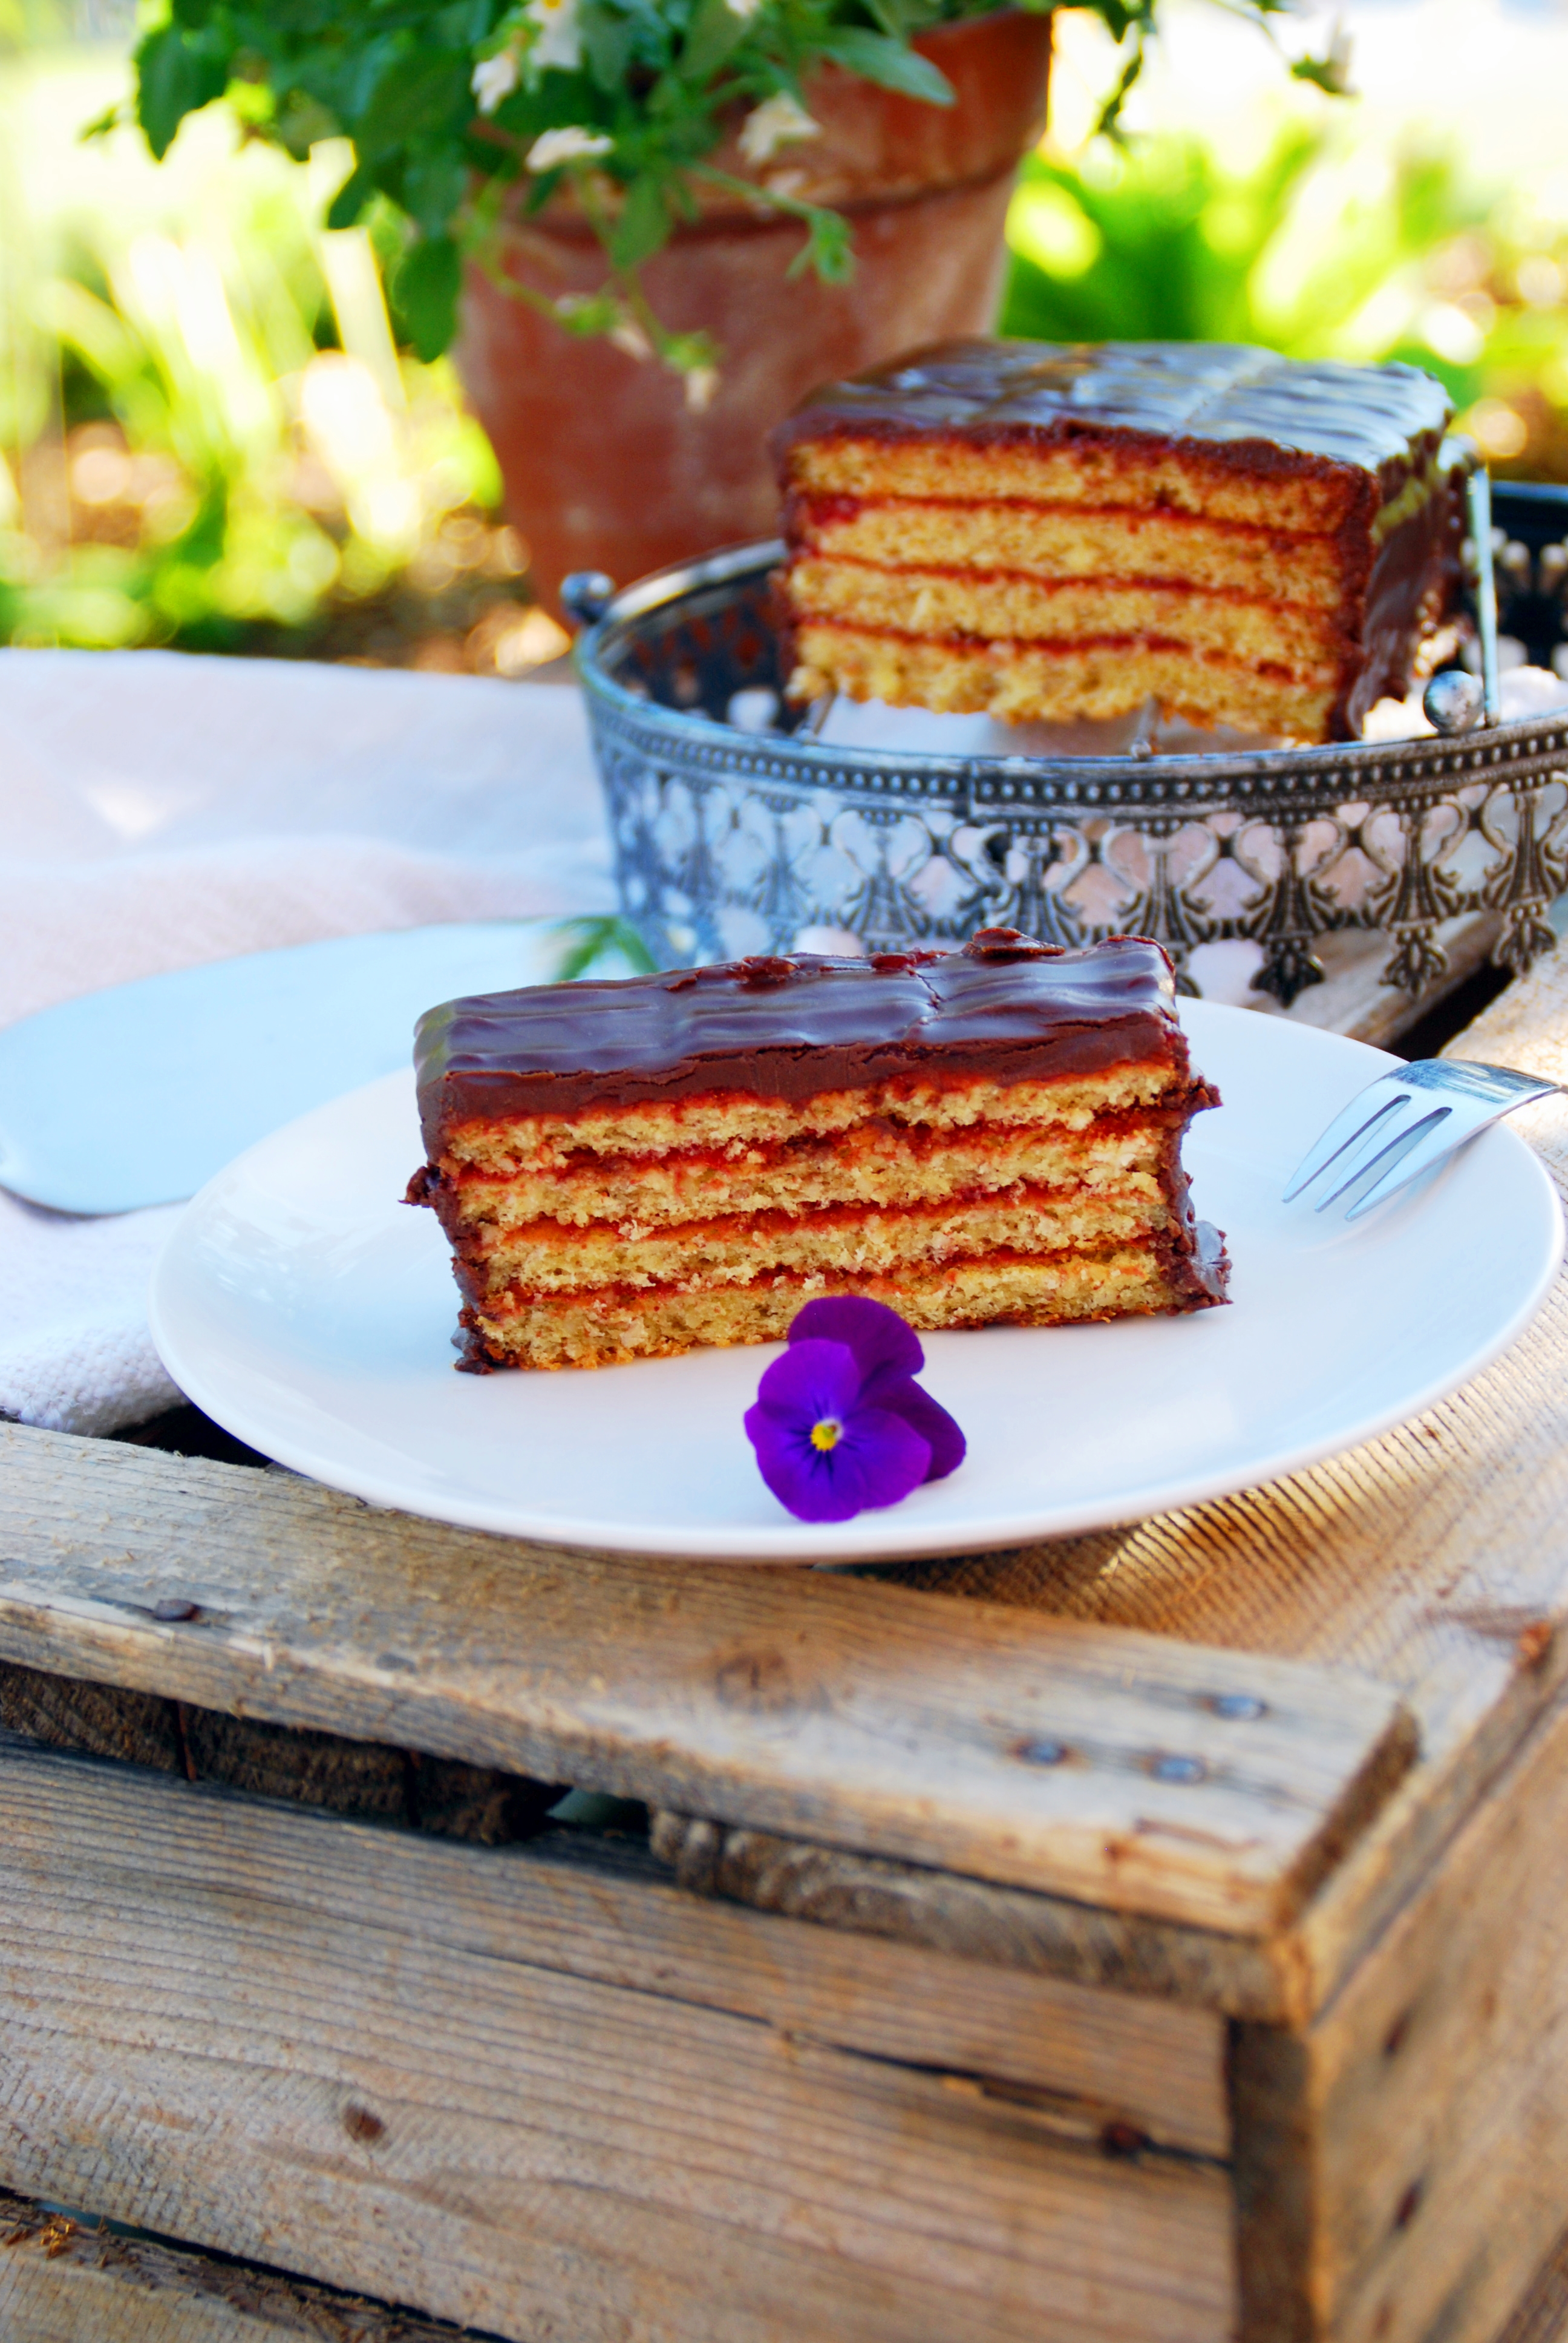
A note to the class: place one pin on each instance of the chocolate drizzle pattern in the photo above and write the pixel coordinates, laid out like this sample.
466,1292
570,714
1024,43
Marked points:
1221,395
1003,1006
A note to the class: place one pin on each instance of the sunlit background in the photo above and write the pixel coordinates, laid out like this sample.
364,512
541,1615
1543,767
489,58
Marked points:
209,437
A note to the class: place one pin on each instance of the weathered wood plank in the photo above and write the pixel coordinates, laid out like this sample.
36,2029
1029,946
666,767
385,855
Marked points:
1003,1928
286,2035
823,1705
137,1727
609,1913
1434,1559
1404,2164
440,1795
1543,2316
66,2282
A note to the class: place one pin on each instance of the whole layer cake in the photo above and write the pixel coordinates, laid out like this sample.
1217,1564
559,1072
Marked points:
630,1169
1033,530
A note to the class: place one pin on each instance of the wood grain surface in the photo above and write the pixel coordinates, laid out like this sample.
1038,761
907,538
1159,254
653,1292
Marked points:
606,1911
440,1795
1438,2081
68,2281
1134,1772
1402,2165
976,1922
1434,1559
1543,2316
349,2049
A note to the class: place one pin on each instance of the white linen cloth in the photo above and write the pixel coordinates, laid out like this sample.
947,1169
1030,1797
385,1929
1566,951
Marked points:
157,811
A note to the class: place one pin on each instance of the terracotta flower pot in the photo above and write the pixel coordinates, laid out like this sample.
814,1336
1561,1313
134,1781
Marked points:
606,465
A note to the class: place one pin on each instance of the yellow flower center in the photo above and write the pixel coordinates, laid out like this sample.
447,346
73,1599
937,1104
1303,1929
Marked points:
825,1435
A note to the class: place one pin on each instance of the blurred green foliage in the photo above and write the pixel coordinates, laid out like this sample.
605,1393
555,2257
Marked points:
1147,241
1324,246
456,107
207,435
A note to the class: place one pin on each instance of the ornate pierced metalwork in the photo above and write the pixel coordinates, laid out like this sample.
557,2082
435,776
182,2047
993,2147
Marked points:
731,839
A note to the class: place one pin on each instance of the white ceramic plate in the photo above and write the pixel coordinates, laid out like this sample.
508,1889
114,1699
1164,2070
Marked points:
302,1306
191,1066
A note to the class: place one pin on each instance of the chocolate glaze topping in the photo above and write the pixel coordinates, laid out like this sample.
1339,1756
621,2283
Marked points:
1003,1007
1222,395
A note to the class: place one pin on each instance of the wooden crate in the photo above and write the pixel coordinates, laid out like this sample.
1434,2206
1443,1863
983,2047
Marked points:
1249,2018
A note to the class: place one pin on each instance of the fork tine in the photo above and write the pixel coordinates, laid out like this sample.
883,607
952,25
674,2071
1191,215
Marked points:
1437,1136
1358,1120
1370,1145
1374,1147
1388,1165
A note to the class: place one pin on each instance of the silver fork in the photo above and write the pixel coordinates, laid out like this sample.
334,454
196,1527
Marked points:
1379,1135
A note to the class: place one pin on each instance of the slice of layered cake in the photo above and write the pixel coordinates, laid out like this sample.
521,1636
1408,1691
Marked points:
630,1169
1031,530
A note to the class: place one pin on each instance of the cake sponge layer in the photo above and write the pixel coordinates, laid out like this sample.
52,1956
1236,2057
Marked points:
1027,682
545,1258
1035,542
874,1164
735,1122
626,1170
613,1329
1316,488
947,605
1102,472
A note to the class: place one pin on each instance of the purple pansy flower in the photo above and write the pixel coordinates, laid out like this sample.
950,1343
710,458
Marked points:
839,1422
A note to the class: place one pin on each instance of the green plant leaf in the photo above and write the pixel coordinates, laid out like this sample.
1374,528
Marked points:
1327,73
828,248
1108,125
417,92
173,78
463,25
559,99
356,191
193,14
901,18
425,294
889,64
643,227
607,38
714,31
1122,16
301,122
433,187
111,118
586,942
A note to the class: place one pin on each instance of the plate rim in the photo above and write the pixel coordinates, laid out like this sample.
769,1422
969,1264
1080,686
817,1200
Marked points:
19,1175
885,1534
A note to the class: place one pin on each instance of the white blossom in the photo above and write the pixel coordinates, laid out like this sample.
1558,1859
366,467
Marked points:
559,42
700,385
744,9
495,78
779,121
628,336
573,145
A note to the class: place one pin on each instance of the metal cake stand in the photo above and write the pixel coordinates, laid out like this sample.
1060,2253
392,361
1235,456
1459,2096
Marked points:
730,840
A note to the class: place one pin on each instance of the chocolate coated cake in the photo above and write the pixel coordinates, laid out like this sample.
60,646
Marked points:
1039,530
630,1169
